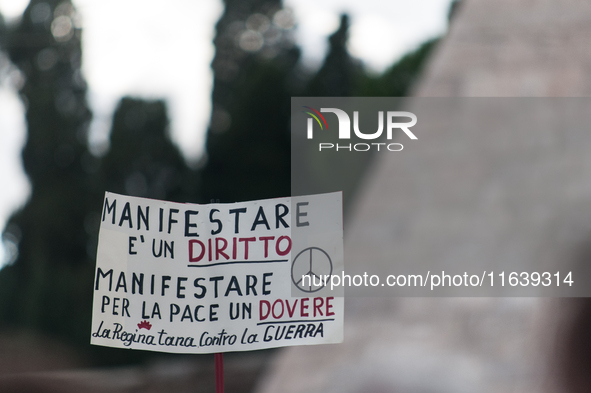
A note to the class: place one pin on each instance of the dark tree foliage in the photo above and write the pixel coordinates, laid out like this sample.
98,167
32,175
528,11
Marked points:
340,75
2,32
343,76
142,161
254,72
49,286
46,289
397,80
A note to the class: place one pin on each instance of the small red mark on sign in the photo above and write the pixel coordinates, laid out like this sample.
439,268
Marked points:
144,325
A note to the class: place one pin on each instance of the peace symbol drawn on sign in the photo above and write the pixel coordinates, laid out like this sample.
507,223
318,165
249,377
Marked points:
315,263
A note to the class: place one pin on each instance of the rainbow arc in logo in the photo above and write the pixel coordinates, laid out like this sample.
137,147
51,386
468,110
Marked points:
316,117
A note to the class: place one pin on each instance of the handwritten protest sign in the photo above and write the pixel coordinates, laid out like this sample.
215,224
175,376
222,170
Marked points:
189,278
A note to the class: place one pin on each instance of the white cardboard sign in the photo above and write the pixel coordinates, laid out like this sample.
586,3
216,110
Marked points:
189,278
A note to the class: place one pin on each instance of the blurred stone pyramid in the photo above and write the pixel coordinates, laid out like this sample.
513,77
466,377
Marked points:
495,48
509,48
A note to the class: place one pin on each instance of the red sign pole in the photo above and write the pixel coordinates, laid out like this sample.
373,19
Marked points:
219,359
219,372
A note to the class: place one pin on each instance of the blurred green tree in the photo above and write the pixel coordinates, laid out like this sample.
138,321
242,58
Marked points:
46,288
399,79
340,75
255,74
142,160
